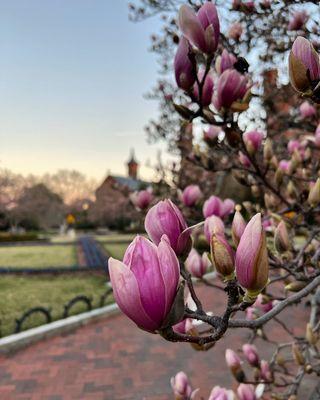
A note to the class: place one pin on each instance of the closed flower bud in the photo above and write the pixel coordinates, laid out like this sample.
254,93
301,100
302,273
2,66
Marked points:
265,371
231,87
166,219
142,199
238,227
246,392
304,65
278,177
207,90
235,31
297,354
234,363
267,150
281,238
219,393
225,61
311,336
314,194
297,21
211,135
227,207
222,256
244,160
252,266
295,286
253,141
191,195
145,284
251,354
212,206
181,387
307,110
213,225
184,326
183,66
197,265
201,29
317,136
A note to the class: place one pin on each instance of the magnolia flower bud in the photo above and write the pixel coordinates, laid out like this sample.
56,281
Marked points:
253,141
181,387
213,225
252,266
311,336
278,177
225,61
238,227
304,65
267,150
166,219
235,31
317,136
244,160
219,393
142,199
297,21
211,135
201,29
281,238
212,206
207,90
265,371
295,286
246,392
191,195
222,256
314,194
145,284
297,355
183,66
184,326
231,86
234,363
197,265
251,354
307,110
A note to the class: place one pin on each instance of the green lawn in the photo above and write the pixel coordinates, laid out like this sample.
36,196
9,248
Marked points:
37,256
20,293
115,250
115,237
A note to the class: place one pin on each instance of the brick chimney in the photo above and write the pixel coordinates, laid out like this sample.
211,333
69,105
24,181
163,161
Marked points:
132,166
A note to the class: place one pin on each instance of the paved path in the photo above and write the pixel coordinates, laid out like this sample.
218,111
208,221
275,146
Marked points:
113,360
94,255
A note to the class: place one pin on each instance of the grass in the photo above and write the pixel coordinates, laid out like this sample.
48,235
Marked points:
115,237
20,293
115,250
37,256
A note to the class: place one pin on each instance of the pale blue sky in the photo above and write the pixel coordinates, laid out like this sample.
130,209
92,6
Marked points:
72,78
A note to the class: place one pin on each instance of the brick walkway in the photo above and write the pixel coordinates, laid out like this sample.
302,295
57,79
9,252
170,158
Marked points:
113,360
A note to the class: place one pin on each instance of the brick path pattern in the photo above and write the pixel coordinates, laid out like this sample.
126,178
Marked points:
113,360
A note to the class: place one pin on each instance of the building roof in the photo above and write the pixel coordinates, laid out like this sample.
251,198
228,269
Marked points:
132,159
132,184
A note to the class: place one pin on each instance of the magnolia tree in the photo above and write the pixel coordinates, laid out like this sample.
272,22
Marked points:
264,252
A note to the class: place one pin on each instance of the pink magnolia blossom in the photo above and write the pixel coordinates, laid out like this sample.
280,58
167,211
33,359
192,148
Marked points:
317,136
238,227
253,140
225,61
211,134
207,90
142,199
307,110
165,218
181,387
196,264
252,266
231,87
201,29
297,21
227,207
246,392
145,283
191,195
222,256
285,165
263,304
212,206
219,393
251,354
184,326
244,160
183,67
235,31
213,225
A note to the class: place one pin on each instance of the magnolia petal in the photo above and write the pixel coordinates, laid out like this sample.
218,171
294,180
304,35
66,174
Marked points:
127,295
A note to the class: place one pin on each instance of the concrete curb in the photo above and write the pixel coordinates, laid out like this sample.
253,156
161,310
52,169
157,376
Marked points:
20,340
